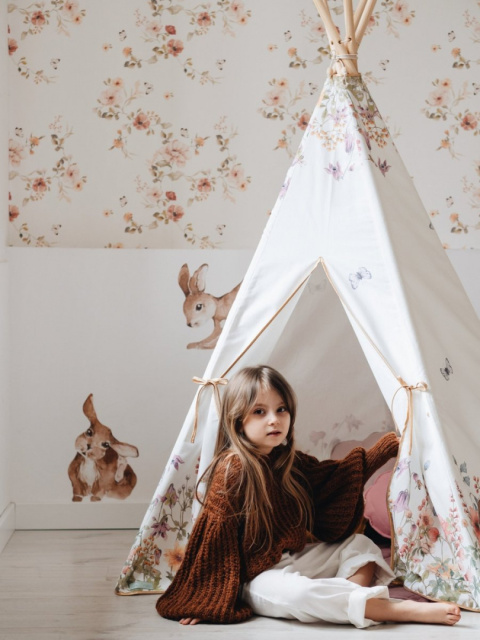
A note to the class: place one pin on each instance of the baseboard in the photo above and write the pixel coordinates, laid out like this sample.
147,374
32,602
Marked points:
7,525
80,515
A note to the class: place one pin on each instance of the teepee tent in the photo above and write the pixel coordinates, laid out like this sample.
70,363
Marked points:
351,295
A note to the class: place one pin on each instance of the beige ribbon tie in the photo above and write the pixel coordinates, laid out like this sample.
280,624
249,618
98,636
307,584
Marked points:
205,382
409,389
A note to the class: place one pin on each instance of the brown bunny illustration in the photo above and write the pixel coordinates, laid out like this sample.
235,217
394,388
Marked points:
100,467
199,307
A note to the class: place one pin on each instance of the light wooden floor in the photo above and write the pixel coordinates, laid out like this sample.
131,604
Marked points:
59,584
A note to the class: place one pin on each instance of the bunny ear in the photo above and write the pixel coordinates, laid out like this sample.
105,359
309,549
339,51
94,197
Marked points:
89,410
183,277
125,450
197,281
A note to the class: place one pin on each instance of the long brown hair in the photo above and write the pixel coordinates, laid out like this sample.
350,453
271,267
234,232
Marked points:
239,398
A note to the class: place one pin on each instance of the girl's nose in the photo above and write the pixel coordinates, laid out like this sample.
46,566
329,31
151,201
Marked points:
272,417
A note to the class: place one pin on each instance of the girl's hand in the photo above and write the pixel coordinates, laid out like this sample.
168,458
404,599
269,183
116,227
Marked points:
190,621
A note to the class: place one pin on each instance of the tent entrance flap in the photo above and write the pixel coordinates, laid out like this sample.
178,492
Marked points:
318,352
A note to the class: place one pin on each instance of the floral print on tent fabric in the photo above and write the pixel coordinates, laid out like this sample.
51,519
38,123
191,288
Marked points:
343,131
158,549
382,165
438,554
287,101
470,505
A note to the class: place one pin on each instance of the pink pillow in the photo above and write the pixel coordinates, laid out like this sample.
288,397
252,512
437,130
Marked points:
376,511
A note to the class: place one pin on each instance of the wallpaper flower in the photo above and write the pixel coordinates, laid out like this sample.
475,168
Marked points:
172,123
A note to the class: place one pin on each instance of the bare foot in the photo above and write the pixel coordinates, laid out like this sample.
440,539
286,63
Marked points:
383,610
186,621
436,613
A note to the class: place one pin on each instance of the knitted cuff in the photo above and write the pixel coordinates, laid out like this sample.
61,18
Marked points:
380,453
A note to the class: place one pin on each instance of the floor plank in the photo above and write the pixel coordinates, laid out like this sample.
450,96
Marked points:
60,584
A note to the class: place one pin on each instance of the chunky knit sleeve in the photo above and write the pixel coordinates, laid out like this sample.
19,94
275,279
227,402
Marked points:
337,487
207,584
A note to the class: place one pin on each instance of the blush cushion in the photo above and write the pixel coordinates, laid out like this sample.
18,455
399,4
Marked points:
375,493
376,511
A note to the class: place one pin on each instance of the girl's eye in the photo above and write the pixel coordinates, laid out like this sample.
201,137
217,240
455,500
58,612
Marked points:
282,409
258,412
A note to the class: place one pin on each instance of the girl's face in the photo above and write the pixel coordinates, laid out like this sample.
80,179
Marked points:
267,423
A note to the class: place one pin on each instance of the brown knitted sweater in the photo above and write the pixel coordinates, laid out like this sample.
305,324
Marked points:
217,559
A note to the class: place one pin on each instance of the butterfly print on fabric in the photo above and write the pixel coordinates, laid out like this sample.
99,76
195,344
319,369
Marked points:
361,274
447,370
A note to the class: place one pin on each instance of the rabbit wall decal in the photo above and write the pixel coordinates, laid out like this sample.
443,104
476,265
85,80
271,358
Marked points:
100,466
199,307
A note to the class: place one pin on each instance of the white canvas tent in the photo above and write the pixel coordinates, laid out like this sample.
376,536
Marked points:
351,295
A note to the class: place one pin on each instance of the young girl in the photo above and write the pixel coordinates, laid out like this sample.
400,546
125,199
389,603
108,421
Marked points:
251,550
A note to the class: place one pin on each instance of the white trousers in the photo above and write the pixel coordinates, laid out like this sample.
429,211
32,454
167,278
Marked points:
312,585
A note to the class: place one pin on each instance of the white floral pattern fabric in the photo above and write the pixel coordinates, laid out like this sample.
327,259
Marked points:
355,207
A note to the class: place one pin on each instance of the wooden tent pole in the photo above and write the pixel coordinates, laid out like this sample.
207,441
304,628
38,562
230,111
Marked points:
336,43
349,23
330,28
359,11
364,18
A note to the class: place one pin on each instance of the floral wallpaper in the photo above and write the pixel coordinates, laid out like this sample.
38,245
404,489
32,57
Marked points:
171,123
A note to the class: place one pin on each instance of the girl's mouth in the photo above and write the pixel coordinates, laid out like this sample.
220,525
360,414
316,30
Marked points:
274,433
